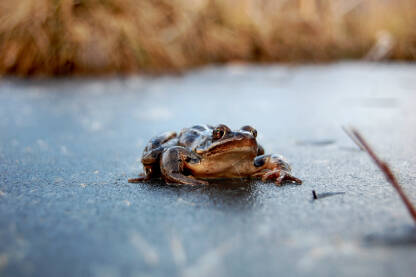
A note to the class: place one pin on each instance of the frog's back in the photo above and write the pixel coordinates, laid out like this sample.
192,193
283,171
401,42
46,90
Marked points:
191,138
195,136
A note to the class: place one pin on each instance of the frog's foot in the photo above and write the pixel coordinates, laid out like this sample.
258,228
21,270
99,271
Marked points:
274,167
141,178
173,166
280,176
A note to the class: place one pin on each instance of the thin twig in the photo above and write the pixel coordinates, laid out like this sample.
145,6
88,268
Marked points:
387,172
353,138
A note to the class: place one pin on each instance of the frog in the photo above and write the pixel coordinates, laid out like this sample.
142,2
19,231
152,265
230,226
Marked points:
202,153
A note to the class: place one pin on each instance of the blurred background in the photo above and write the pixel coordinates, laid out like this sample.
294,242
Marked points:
49,37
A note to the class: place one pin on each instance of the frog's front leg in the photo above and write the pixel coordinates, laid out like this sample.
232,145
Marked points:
173,165
274,167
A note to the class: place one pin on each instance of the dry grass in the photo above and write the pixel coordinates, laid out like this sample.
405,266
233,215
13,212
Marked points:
50,37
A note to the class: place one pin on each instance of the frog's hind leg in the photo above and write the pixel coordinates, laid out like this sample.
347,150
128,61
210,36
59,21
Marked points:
172,166
151,155
155,147
274,167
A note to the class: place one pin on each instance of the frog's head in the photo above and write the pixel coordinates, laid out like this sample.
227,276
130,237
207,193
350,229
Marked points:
225,141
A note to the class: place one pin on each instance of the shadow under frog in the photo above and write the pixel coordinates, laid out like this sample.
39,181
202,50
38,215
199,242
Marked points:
230,194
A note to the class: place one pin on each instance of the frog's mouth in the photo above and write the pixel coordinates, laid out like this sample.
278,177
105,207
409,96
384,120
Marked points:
243,143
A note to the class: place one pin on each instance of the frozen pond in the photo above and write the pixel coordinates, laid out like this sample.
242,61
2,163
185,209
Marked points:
68,146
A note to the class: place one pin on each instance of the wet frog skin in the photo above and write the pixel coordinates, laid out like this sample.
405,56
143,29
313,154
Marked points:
204,152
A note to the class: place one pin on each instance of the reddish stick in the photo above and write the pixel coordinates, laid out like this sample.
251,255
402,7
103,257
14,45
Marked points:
352,137
387,172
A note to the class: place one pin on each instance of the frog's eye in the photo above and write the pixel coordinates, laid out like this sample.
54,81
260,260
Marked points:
217,133
250,129
220,132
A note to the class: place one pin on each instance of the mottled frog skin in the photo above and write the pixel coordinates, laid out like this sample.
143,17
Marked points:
203,152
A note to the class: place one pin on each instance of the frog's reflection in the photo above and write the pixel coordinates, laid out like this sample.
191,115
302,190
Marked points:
219,193
237,193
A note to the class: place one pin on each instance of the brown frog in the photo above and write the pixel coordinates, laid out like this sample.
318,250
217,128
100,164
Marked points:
204,152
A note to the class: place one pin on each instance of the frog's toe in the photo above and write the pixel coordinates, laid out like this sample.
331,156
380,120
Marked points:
279,177
293,179
141,178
